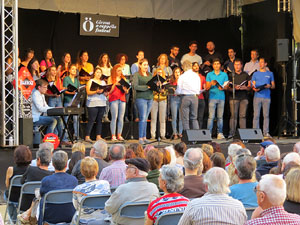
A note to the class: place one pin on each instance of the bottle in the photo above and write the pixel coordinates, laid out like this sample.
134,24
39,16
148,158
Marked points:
10,141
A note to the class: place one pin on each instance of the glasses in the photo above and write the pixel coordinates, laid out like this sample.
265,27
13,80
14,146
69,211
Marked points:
256,190
131,167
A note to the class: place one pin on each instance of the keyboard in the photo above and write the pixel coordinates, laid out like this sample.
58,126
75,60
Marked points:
66,111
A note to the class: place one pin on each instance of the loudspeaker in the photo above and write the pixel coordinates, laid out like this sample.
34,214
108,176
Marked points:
26,131
282,50
196,136
250,135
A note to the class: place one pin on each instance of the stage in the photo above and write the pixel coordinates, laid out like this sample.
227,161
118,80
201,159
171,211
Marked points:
6,155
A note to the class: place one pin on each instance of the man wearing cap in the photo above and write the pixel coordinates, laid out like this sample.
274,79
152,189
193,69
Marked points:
136,189
260,156
272,153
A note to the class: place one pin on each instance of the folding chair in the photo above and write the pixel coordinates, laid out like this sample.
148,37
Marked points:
28,189
92,202
58,197
134,210
169,218
112,190
14,183
249,212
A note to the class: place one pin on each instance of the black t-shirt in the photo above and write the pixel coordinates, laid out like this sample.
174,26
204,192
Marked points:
292,207
173,62
238,79
210,57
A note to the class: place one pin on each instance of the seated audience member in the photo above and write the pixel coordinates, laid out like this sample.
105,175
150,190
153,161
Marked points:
216,146
22,160
291,157
129,154
218,160
243,191
45,146
272,154
137,149
75,157
148,148
78,147
277,170
260,156
292,202
232,149
59,180
34,173
40,107
99,153
208,149
166,156
155,159
89,169
193,179
215,207
170,149
115,174
136,189
271,194
170,181
180,149
207,164
296,147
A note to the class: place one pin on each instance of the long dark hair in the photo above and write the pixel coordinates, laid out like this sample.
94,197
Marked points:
76,156
100,63
31,70
80,53
51,60
63,61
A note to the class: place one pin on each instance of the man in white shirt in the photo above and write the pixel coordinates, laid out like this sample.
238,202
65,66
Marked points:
192,56
188,86
39,110
253,65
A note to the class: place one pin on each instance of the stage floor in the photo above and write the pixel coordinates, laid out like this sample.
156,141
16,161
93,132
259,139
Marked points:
6,155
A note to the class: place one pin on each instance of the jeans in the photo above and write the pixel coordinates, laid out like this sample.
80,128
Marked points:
106,109
54,102
95,114
51,122
175,103
160,106
189,111
201,110
75,124
212,105
240,107
144,108
117,111
265,104
12,208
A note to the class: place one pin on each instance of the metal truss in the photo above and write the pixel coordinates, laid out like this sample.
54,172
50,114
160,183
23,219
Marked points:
9,133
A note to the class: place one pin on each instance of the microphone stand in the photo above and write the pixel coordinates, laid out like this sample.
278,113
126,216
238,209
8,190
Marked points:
233,100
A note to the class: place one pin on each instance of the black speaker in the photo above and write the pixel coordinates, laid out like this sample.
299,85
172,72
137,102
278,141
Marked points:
282,50
196,136
250,135
26,131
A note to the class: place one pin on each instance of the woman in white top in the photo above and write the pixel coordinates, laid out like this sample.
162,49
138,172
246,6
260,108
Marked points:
96,103
104,64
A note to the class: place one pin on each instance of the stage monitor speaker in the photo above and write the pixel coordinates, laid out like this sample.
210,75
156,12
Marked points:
196,136
26,131
250,135
282,50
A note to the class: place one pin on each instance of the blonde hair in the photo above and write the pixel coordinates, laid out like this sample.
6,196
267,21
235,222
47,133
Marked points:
293,185
78,147
208,149
89,167
159,57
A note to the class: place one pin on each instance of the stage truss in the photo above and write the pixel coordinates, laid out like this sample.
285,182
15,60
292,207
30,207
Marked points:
9,135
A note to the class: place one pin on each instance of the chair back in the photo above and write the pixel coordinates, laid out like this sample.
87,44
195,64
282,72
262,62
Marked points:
249,212
92,202
134,210
28,189
58,197
169,218
112,190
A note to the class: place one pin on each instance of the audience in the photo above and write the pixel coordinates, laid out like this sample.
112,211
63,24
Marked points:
89,169
271,194
180,149
272,154
136,189
215,207
207,164
297,147
137,149
243,191
292,202
170,181
155,159
260,156
76,156
59,180
208,149
99,153
47,146
115,173
291,157
232,149
193,179
218,160
166,156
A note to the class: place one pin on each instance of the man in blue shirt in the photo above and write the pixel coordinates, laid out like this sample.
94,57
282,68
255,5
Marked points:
215,81
262,83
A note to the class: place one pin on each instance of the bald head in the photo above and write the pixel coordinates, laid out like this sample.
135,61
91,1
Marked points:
193,159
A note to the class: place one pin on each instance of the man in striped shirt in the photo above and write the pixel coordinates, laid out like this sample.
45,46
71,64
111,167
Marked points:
215,207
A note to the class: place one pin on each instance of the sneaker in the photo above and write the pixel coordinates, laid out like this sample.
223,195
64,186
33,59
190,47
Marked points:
141,142
220,136
146,141
137,120
113,138
163,138
229,136
120,138
175,137
105,120
267,135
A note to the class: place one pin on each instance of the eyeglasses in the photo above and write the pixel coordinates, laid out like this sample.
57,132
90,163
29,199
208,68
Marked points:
131,167
256,190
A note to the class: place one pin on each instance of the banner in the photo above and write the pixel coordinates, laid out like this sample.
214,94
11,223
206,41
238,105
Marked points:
99,25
